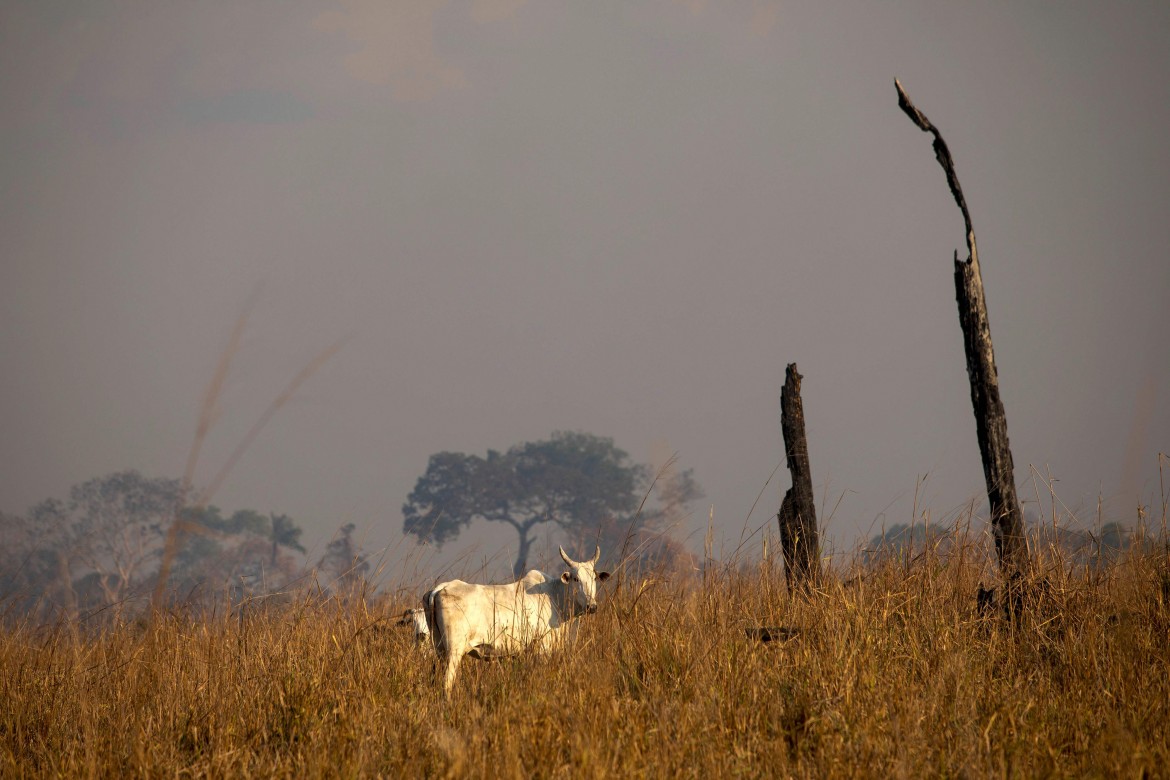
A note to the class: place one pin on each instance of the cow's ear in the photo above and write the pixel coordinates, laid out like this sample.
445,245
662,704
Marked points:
565,576
602,576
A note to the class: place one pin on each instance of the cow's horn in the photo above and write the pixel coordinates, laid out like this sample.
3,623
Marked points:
564,555
596,556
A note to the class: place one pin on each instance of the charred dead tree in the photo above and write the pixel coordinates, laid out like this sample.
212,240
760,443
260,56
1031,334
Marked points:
990,420
797,516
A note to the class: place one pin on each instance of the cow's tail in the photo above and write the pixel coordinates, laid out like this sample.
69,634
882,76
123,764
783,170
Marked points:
434,613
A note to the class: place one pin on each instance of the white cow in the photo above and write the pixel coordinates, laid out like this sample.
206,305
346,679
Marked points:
490,621
417,620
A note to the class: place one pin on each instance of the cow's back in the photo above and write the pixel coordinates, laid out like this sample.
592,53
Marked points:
494,620
490,621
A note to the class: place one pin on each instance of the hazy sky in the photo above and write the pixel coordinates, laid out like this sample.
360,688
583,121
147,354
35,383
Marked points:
624,218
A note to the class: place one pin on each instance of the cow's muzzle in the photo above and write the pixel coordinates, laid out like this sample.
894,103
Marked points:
590,609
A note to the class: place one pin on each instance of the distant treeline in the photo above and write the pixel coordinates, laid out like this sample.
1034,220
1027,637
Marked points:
103,546
1077,546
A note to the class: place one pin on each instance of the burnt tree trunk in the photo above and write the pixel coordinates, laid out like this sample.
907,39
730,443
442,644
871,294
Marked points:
797,516
990,420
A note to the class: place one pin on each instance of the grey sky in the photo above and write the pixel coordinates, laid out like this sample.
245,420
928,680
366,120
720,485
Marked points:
617,217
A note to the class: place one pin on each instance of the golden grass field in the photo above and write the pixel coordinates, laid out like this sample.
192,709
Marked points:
895,675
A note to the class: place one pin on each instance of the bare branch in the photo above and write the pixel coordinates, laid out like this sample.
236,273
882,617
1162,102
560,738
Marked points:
943,153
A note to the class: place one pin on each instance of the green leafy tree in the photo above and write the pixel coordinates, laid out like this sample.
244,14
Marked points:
577,482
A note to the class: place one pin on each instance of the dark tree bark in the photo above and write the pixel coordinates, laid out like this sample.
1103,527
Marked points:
524,529
520,567
797,517
990,420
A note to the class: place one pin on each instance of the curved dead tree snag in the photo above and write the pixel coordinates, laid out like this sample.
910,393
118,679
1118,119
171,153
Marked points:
797,517
990,419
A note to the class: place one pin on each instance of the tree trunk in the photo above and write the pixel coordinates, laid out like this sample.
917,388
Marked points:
990,419
520,568
797,517
990,422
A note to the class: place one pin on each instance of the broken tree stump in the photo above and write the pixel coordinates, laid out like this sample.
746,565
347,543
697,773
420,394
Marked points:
797,516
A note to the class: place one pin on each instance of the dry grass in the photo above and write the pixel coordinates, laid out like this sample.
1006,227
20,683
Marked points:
894,675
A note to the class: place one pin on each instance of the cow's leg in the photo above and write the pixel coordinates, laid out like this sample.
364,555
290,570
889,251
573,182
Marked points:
453,659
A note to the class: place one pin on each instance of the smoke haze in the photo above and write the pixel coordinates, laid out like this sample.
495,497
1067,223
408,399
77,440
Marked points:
621,218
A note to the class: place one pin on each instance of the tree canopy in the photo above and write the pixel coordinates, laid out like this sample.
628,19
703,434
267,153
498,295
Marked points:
102,547
580,483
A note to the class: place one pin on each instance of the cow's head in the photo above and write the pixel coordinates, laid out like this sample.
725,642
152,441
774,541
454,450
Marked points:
416,619
582,580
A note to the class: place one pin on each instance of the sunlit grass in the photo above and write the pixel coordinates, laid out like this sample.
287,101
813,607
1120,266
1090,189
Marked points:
893,674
